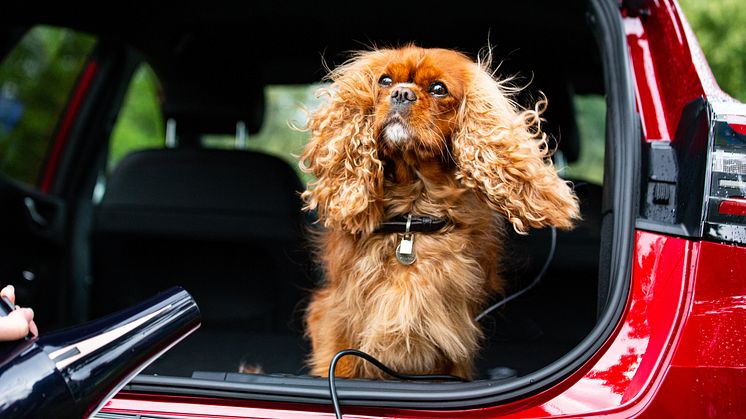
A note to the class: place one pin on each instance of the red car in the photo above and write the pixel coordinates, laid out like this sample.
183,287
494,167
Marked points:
641,312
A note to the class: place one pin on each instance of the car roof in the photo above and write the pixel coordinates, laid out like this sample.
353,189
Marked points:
214,58
283,42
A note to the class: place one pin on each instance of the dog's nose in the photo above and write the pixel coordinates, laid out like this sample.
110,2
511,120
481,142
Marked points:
403,96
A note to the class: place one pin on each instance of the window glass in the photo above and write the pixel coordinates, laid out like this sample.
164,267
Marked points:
141,125
36,79
590,111
286,104
279,136
140,122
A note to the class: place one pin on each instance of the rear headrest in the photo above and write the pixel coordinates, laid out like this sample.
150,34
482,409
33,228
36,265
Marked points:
211,108
203,192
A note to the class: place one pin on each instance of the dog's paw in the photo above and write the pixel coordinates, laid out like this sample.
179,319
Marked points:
247,368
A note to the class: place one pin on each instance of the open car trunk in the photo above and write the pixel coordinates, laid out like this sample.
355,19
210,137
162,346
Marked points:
531,343
241,251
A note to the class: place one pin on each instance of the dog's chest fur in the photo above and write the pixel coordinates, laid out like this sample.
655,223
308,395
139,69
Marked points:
417,318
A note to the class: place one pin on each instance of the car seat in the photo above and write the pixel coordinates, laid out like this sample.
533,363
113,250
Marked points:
226,225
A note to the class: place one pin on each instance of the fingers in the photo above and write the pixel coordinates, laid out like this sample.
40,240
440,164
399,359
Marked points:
16,324
9,292
28,314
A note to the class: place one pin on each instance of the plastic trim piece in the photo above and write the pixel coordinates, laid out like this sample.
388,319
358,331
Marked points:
678,168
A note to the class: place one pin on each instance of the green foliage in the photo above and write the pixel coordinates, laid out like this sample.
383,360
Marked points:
720,27
285,113
36,78
140,122
284,118
590,114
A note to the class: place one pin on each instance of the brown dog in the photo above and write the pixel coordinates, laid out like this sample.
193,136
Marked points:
423,133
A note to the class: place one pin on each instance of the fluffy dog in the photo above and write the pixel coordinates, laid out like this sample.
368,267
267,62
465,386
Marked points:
423,132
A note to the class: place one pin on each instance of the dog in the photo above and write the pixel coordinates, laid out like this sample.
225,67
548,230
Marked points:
410,137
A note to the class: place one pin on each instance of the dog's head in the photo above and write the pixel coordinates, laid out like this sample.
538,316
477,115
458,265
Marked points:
419,93
436,104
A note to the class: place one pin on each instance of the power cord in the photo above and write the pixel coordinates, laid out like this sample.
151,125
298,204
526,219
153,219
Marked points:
529,286
380,366
428,377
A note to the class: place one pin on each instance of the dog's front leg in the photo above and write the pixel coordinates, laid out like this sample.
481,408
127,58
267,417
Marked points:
326,333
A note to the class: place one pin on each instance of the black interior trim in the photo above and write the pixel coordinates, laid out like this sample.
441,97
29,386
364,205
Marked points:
672,198
621,203
82,160
96,117
9,37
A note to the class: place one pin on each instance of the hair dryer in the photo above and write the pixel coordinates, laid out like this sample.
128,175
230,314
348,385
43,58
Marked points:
73,372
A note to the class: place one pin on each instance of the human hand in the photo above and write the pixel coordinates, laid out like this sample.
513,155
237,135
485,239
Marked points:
18,323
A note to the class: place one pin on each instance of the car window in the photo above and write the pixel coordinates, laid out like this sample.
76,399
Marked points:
36,79
281,134
590,115
140,123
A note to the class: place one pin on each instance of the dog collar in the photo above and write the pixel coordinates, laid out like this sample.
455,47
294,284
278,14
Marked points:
418,224
407,226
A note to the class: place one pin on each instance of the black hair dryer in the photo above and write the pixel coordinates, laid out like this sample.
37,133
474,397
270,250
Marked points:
73,372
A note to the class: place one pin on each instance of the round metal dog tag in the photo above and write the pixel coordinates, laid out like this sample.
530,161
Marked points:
405,258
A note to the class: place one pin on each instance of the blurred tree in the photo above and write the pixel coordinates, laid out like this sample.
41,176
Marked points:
35,82
720,27
285,109
140,122
590,111
284,118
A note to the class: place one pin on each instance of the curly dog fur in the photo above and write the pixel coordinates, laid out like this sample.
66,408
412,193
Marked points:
471,155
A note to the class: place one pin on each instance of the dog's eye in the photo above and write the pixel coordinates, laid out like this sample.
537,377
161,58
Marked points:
438,89
385,81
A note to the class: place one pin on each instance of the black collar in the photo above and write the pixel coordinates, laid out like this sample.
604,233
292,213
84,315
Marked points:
419,224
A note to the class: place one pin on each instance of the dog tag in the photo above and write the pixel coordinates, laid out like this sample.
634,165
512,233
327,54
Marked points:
405,251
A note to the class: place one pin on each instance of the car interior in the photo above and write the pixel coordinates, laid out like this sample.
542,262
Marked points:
227,225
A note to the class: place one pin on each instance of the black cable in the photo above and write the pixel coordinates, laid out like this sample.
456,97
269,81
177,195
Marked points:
382,367
529,286
428,377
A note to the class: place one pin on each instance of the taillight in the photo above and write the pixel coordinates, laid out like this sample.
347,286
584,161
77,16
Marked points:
725,194
696,185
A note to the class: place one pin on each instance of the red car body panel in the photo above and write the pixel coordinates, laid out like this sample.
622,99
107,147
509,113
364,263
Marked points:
707,375
669,72
679,350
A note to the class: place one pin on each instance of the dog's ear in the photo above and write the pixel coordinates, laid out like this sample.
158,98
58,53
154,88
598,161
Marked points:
342,153
501,151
